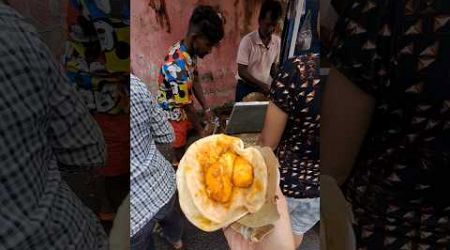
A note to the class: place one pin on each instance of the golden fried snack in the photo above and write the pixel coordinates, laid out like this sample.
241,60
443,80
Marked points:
218,183
227,160
242,173
208,195
218,178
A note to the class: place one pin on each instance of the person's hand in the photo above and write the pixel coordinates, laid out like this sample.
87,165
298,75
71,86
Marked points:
209,115
280,238
202,133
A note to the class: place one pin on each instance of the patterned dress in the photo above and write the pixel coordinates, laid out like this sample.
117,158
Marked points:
399,52
296,91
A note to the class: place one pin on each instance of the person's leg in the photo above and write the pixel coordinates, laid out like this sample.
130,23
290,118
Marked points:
117,188
172,224
105,212
116,131
180,129
143,239
292,206
179,152
304,214
83,184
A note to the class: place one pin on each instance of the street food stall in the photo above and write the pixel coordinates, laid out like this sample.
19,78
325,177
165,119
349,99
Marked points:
244,122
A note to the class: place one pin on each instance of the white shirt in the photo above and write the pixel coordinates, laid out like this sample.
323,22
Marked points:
259,58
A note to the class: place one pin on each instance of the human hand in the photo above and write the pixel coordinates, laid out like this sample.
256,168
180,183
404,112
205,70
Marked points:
280,238
209,115
203,133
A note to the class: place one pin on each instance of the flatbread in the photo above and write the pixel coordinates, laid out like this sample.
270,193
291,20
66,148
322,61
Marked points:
189,209
201,210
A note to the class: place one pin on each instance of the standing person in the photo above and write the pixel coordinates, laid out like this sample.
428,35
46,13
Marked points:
292,128
259,53
385,133
97,63
45,129
178,79
153,188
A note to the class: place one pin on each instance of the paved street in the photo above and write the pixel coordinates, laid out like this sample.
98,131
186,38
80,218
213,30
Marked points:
195,239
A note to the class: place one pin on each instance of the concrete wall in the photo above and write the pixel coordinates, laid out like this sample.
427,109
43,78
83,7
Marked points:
48,16
152,34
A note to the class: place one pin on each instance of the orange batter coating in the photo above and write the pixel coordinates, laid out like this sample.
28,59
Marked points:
242,173
223,170
218,183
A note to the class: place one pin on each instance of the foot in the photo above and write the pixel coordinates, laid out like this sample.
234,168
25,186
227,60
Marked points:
178,245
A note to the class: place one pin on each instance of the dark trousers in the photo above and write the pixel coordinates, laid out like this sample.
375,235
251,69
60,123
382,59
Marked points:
171,221
243,89
117,188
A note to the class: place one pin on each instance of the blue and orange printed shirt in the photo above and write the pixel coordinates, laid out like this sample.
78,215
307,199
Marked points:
97,53
176,81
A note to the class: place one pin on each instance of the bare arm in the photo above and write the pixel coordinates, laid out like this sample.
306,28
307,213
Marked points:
193,117
274,125
198,92
346,115
274,70
248,78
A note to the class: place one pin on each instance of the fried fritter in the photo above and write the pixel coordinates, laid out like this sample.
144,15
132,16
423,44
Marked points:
242,173
218,183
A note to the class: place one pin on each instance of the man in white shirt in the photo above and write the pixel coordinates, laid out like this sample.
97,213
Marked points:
259,53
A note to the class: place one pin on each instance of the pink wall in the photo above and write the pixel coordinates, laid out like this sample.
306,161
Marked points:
150,40
48,16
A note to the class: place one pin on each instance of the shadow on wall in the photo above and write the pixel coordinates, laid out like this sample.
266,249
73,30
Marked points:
157,24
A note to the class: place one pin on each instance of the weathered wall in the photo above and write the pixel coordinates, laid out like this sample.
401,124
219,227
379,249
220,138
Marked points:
48,16
152,34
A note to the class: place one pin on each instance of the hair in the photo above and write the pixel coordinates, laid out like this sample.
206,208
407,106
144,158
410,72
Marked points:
273,7
205,21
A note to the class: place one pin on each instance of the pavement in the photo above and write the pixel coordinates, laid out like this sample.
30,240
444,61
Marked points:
83,185
195,239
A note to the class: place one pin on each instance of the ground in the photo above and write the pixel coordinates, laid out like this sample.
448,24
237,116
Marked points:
195,239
